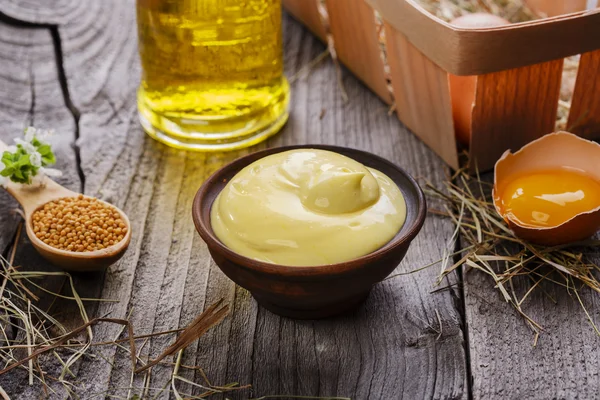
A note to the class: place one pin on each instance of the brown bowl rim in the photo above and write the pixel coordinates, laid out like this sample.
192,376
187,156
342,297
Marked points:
205,231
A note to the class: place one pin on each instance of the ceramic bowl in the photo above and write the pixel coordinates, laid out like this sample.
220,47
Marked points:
315,291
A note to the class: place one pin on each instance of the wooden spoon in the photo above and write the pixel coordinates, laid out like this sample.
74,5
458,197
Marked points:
33,197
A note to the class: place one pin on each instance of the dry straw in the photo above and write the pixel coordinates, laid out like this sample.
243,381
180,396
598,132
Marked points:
31,337
511,10
489,246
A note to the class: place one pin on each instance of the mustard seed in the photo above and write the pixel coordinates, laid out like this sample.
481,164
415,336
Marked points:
78,224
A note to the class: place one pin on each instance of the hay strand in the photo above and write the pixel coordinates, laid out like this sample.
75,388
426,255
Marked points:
209,318
490,247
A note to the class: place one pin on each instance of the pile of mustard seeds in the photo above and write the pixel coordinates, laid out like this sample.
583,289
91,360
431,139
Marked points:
78,224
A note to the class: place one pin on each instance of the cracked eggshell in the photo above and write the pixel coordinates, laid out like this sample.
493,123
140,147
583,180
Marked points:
553,151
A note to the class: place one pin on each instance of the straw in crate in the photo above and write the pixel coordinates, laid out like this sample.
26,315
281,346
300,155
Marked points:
518,69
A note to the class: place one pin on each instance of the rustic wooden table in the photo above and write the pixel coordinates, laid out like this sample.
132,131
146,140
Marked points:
73,66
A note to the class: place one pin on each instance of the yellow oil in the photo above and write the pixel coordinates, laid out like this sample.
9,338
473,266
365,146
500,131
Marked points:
212,72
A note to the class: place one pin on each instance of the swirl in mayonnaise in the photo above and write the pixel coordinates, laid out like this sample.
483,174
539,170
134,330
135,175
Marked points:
307,207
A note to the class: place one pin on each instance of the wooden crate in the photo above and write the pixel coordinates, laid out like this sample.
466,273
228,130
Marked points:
518,69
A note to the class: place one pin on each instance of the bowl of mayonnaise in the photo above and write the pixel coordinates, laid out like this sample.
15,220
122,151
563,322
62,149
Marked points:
310,229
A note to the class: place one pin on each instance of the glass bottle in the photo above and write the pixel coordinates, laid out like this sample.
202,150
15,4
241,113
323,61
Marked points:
212,72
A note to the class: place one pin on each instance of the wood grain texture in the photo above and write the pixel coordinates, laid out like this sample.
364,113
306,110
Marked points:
463,51
355,37
504,362
584,117
513,108
552,8
307,12
31,95
422,95
404,342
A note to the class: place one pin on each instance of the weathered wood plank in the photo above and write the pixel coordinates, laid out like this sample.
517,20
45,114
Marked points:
31,95
505,364
38,55
388,348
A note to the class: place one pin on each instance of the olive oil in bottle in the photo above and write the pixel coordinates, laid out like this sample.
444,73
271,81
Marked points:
212,72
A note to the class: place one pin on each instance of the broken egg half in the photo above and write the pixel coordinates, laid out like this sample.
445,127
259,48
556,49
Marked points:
549,191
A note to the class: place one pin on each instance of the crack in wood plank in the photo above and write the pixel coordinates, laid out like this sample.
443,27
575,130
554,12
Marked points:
30,89
564,363
460,303
64,85
365,354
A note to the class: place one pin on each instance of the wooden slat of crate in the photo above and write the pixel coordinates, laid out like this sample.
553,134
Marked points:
463,51
307,12
422,95
513,108
584,117
552,8
352,24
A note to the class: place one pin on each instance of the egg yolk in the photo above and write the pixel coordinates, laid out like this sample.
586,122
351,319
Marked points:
550,198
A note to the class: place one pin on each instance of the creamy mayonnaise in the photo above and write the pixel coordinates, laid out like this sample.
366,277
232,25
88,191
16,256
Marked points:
307,207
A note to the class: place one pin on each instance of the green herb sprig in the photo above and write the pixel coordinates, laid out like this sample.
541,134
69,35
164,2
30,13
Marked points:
28,158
